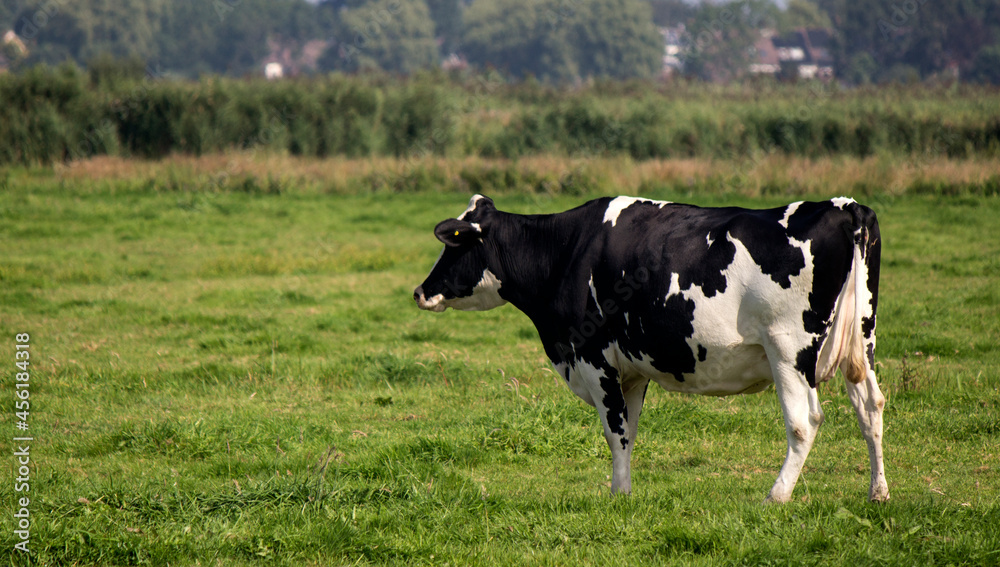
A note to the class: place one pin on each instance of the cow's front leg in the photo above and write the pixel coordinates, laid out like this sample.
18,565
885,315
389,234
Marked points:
635,395
616,428
613,404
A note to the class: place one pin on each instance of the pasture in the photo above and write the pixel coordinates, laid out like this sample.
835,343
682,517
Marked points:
235,373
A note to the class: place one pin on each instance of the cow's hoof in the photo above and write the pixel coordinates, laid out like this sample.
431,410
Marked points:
772,499
879,495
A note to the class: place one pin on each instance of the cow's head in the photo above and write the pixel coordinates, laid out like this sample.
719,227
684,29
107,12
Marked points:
462,278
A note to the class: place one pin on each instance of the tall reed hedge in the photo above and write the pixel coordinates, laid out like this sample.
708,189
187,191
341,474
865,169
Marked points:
58,114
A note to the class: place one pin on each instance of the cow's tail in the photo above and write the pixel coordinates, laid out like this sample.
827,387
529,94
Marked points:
851,339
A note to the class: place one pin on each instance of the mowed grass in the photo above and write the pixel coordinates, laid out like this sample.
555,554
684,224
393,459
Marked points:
229,378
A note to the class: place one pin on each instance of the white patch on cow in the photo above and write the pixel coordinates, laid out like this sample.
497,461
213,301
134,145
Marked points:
486,295
593,293
788,213
626,319
708,239
472,205
478,228
841,202
675,286
584,379
619,204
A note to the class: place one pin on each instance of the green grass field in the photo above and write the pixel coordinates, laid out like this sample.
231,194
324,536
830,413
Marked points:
241,377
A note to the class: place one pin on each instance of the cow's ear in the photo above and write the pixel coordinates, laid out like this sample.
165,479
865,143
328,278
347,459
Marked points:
454,232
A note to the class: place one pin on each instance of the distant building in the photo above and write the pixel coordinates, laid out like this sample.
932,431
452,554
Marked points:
803,53
292,56
673,49
766,61
454,62
274,70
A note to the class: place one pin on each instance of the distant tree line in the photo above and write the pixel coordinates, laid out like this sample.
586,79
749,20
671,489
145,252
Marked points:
551,40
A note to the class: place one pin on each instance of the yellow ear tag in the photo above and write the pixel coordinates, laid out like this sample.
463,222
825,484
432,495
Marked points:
456,233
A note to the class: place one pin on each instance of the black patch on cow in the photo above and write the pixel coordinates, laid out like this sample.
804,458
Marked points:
614,401
667,344
805,360
703,269
867,326
702,353
873,259
769,246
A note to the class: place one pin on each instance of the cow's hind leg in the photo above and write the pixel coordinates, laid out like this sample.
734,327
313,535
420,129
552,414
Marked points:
803,416
868,402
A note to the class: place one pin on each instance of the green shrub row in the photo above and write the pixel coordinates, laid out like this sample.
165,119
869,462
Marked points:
654,128
50,115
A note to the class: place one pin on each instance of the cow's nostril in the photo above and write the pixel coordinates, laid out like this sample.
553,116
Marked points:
418,292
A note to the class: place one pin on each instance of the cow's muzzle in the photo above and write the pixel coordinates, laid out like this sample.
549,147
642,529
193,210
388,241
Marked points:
435,303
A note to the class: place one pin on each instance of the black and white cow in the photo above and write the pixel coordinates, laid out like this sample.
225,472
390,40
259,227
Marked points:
713,301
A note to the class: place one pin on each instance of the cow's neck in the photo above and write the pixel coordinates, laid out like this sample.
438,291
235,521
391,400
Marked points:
534,253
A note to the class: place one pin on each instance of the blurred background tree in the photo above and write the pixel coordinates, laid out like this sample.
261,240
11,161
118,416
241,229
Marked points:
519,37
986,66
383,35
447,16
615,39
553,40
720,38
886,41
671,12
561,40
802,14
